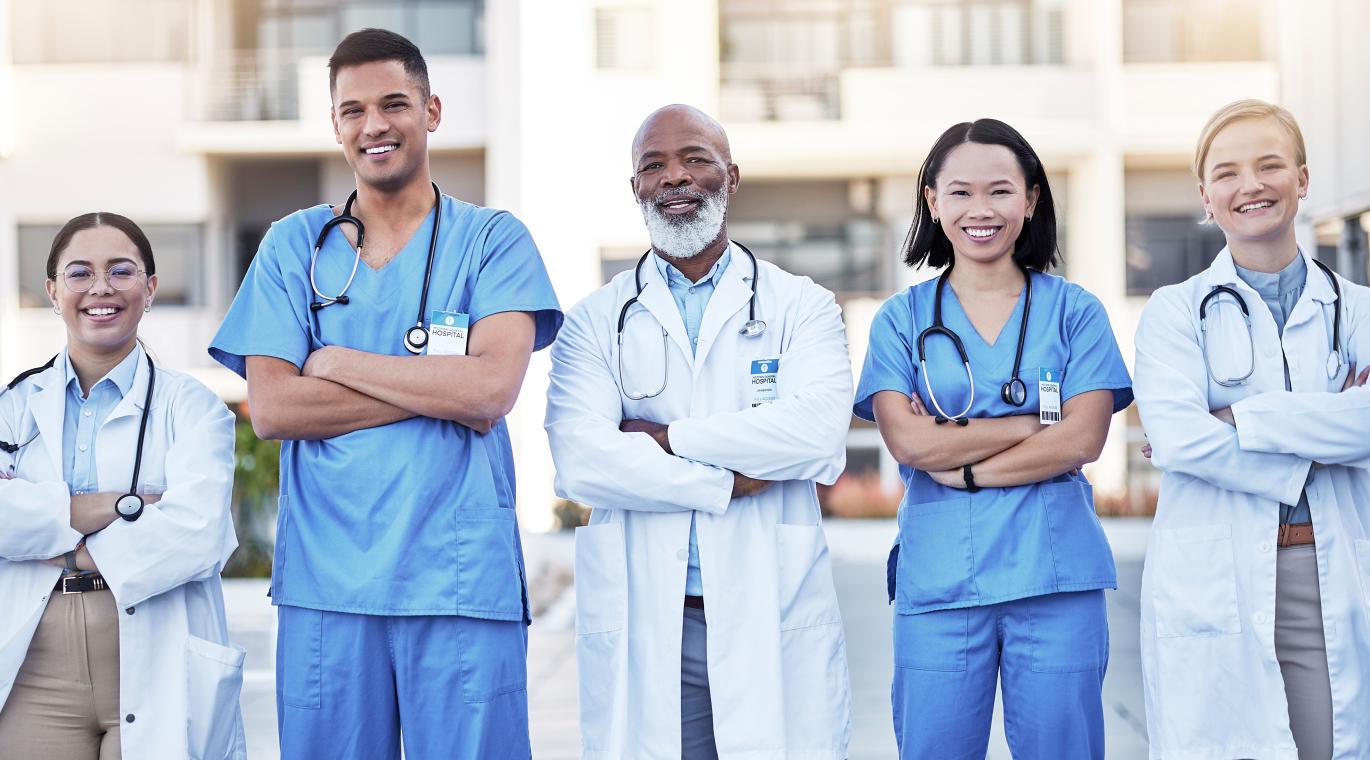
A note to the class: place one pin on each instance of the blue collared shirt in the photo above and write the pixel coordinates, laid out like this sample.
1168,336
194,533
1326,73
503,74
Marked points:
86,414
692,298
1281,291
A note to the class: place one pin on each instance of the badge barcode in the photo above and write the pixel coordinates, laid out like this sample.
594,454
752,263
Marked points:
1051,416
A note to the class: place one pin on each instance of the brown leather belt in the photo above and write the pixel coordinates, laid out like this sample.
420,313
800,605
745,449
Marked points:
79,584
694,602
1295,534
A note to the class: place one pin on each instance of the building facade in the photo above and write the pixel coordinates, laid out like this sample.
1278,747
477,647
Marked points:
205,120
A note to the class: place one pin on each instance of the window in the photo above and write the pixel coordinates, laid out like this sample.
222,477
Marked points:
178,249
1163,249
624,38
976,32
1162,31
101,31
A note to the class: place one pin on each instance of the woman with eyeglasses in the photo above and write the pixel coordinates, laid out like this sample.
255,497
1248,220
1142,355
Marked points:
115,479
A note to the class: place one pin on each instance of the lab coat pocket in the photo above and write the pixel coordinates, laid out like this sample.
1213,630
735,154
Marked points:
1080,552
489,579
936,556
214,680
601,578
1195,580
807,596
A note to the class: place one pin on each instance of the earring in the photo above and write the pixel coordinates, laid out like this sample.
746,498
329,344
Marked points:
56,309
148,307
1303,196
934,220
1029,217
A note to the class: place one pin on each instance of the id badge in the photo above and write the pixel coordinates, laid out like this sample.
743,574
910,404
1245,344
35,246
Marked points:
447,333
1048,396
764,383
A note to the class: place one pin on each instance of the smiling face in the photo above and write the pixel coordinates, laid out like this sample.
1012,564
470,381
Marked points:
382,120
981,200
1252,181
103,319
682,176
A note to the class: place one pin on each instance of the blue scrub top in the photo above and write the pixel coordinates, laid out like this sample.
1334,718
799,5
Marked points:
958,549
415,517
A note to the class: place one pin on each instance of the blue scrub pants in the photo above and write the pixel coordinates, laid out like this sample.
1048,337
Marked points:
1050,652
348,686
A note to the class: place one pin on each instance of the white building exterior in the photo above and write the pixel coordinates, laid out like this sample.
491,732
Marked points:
207,119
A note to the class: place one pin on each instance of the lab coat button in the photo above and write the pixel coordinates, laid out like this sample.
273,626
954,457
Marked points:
1260,618
128,610
1265,547
129,717
82,447
683,554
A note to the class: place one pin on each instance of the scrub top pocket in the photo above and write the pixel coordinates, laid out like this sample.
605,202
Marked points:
489,579
1081,554
936,555
1194,581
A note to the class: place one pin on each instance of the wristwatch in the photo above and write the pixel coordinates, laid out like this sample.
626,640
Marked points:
970,479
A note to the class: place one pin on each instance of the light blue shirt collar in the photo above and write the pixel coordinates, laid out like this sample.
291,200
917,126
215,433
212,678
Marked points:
121,376
674,277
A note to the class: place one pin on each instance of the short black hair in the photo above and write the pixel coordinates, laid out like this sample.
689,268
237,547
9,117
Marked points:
1036,245
371,45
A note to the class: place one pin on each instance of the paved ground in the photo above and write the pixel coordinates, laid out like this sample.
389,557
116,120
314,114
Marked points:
858,549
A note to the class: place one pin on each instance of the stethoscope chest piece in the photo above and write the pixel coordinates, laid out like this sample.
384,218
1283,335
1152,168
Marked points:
129,506
752,329
416,339
1014,392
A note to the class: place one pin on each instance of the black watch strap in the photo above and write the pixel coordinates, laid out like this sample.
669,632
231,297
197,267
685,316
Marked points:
970,479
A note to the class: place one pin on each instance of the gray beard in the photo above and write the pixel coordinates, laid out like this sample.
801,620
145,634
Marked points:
683,238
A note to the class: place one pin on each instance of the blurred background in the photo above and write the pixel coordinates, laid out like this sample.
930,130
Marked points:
205,120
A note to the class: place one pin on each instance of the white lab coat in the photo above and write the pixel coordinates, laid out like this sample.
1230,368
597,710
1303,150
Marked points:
178,676
1213,685
777,657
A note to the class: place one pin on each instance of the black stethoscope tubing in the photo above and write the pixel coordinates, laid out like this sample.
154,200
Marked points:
753,327
416,337
1220,290
130,505
1013,392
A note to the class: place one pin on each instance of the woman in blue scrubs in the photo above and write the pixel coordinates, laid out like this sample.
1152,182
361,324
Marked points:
1000,565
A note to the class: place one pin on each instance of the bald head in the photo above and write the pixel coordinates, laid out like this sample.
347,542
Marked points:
674,123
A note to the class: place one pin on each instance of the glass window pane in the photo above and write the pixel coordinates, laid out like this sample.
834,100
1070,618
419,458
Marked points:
177,248
446,28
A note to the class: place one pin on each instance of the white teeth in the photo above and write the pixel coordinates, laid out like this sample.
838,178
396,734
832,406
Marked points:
100,311
980,232
379,150
1253,206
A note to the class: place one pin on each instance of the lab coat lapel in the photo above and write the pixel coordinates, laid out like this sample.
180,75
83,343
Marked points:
656,298
132,402
733,291
1317,295
48,406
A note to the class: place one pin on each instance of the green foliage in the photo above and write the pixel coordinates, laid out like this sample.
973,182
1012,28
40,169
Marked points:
255,487
570,515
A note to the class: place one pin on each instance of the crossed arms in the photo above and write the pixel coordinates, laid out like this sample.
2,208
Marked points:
342,390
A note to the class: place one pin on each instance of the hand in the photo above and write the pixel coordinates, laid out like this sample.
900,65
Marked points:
83,559
1146,447
320,362
1353,380
656,430
745,486
952,478
918,409
1225,414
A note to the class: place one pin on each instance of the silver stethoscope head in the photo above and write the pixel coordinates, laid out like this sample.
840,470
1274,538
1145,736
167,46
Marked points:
752,329
416,339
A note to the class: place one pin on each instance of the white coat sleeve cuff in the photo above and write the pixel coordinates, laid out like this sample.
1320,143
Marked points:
1253,436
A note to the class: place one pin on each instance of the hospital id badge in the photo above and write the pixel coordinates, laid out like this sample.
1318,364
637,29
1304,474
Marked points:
447,333
764,381
1048,396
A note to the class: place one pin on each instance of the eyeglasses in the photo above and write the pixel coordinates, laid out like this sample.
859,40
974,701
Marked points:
80,278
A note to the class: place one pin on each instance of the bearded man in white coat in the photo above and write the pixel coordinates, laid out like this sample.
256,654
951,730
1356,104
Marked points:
695,401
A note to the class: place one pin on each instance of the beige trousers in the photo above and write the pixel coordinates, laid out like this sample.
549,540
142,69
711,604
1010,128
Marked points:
65,701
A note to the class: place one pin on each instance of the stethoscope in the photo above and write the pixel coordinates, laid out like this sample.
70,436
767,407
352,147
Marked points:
753,328
130,505
1013,392
416,337
1334,363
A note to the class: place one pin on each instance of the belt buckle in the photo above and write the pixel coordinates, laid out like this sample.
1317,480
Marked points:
66,581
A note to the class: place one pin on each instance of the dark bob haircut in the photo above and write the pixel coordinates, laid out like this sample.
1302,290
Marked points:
101,219
1036,245
372,45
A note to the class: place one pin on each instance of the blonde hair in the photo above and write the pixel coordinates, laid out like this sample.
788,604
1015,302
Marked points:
1240,110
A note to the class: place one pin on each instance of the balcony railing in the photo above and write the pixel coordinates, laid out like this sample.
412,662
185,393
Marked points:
255,85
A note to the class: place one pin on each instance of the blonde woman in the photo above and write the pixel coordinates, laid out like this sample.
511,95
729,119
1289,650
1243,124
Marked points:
1255,625
115,477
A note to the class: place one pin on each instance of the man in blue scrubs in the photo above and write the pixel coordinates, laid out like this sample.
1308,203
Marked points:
398,571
